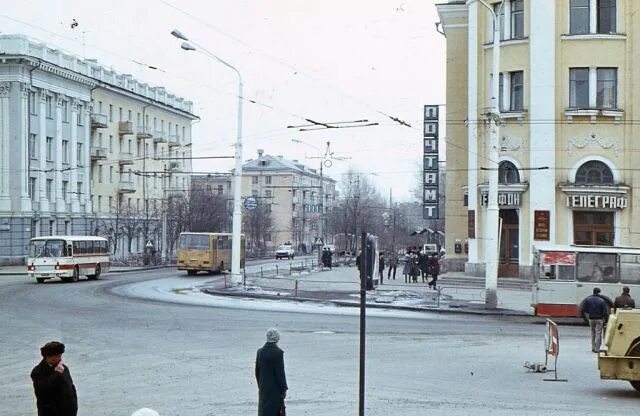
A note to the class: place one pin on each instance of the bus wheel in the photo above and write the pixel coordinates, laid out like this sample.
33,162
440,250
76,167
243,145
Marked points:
95,276
192,272
634,351
76,275
40,279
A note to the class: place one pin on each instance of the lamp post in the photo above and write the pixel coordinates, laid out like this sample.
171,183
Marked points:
493,211
237,172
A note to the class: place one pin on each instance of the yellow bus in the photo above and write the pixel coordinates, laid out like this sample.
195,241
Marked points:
207,252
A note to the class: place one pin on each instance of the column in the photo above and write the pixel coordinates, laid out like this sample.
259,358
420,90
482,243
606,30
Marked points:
5,154
473,133
23,148
88,202
42,153
61,205
73,145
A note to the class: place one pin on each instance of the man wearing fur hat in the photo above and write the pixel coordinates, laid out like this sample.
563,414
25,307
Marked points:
272,382
52,383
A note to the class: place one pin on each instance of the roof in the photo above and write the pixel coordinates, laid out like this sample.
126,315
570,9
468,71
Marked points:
69,237
268,163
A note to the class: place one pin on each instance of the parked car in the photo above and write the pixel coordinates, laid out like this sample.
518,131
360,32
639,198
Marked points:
285,251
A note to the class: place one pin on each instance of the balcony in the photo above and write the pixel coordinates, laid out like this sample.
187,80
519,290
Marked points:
159,136
98,153
98,121
143,132
125,127
125,158
174,140
127,187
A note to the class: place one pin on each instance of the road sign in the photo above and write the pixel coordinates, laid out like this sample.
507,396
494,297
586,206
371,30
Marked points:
250,203
318,242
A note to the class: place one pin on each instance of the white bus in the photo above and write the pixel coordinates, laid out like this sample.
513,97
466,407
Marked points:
67,257
566,275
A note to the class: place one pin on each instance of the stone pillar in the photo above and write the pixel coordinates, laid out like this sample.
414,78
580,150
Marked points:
88,201
73,144
23,148
42,153
61,205
5,153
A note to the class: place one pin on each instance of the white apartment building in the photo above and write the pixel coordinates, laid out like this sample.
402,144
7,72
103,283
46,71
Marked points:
69,149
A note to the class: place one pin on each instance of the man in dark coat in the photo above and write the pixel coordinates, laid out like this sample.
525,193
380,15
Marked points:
597,311
434,270
52,383
272,382
625,300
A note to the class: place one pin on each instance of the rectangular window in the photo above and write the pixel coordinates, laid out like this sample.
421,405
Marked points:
516,91
111,143
32,188
110,207
49,148
33,147
32,103
79,189
65,151
65,190
267,180
499,11
517,19
500,92
129,115
579,87
267,193
110,174
80,116
578,17
80,155
52,227
120,114
220,189
254,180
49,189
65,111
606,16
48,107
606,88
110,112
100,173
99,207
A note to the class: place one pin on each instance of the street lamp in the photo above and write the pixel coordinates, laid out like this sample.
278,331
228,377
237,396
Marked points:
237,173
493,211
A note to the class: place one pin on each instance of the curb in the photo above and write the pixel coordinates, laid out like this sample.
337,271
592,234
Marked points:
341,303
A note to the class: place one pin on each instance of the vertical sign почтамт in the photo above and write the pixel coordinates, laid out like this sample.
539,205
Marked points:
431,180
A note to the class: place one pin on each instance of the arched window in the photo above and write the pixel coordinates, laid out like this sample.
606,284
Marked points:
508,173
594,172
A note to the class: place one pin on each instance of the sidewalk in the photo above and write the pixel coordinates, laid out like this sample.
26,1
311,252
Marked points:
341,286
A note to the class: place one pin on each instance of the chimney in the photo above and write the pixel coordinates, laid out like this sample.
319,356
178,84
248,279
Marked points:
260,152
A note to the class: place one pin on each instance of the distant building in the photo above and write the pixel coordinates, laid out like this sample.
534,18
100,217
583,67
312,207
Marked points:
291,191
76,141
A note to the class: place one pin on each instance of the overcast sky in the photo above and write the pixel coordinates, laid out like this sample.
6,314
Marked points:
325,60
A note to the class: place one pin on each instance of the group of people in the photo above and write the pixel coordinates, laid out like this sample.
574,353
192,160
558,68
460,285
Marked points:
326,257
596,307
418,263
56,394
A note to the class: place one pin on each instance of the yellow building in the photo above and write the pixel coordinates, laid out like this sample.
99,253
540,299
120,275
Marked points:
567,143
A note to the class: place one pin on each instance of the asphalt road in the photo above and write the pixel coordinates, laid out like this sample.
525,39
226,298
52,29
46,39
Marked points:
180,359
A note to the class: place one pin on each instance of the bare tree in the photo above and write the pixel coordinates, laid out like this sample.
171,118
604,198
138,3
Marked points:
258,226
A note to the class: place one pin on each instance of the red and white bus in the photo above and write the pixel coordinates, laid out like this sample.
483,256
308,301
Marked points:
67,257
566,275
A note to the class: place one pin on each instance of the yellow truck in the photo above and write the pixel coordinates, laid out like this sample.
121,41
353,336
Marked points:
621,359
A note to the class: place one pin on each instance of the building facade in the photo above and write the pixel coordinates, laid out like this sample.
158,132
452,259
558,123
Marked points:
566,134
290,192
69,149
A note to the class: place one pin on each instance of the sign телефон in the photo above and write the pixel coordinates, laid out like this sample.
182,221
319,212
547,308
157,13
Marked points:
431,179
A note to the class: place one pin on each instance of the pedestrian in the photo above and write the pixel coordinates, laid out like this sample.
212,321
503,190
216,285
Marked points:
381,266
423,263
52,383
325,257
624,300
329,258
272,382
406,269
434,270
597,311
415,266
392,260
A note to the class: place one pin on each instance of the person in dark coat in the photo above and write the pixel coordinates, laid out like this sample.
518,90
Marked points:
625,300
597,311
272,382
423,264
434,270
381,266
52,383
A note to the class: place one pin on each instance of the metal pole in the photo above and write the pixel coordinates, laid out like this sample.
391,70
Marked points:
493,211
320,215
237,186
363,320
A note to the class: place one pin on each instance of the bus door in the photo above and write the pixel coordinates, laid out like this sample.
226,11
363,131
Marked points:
555,289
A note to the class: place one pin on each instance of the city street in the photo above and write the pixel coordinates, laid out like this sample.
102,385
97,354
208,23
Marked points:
127,352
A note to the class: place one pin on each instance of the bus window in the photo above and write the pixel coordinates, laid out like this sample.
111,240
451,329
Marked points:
223,242
630,269
194,241
559,272
597,267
